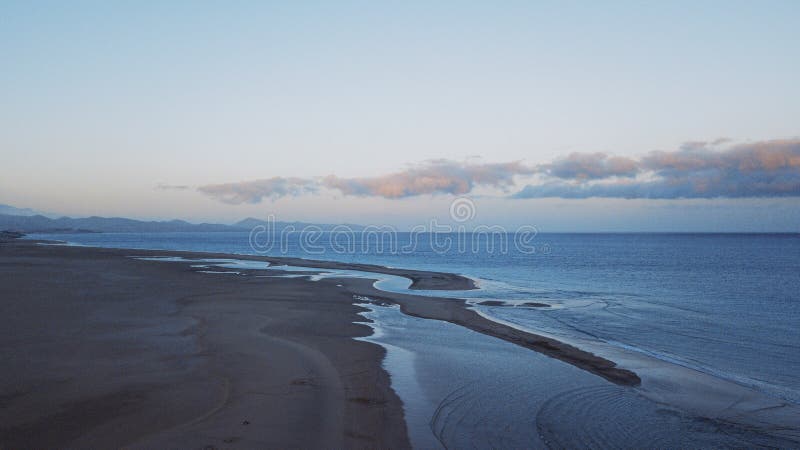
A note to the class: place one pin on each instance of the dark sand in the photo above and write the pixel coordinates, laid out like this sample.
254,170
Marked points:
103,350
536,305
492,303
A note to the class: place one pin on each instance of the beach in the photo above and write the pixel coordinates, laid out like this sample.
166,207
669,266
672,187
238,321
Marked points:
115,347
101,350
107,350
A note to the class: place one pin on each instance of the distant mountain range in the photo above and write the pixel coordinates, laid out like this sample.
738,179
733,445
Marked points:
14,211
40,224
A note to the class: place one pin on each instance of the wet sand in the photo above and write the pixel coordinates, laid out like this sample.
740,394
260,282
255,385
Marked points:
102,351
437,308
106,350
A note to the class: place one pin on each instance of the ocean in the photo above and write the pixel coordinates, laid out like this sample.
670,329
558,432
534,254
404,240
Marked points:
723,305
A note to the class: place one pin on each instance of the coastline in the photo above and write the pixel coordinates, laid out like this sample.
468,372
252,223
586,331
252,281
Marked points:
139,354
420,279
165,352
180,348
451,310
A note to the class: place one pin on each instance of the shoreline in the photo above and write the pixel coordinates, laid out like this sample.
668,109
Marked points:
451,310
420,279
288,347
138,354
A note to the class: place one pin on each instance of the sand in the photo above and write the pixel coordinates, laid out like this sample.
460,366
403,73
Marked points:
105,350
101,350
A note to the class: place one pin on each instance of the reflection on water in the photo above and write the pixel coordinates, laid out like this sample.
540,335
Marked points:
462,389
726,305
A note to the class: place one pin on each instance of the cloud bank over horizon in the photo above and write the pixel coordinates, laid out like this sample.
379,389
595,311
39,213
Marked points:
256,190
713,169
696,170
431,177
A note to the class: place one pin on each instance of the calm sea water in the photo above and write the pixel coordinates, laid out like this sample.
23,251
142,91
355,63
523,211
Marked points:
725,304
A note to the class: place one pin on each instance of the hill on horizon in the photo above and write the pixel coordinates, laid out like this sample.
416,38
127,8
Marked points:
37,223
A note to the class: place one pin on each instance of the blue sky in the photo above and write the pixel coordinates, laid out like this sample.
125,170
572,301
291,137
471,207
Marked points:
102,102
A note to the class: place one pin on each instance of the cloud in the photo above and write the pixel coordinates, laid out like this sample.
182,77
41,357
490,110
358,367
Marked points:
432,177
590,166
696,170
257,190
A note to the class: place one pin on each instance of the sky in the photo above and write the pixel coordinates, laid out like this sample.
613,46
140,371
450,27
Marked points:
568,116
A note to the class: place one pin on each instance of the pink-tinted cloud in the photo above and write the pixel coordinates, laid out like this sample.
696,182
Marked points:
433,177
695,170
591,166
257,190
